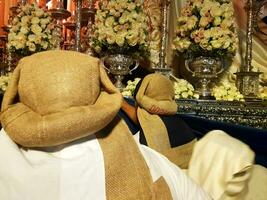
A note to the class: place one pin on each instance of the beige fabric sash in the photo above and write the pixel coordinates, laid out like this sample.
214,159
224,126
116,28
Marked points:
157,138
181,155
127,175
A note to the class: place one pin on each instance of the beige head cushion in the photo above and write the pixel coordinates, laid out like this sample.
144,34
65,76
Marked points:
55,97
156,95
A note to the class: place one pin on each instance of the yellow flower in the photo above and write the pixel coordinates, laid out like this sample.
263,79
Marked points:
111,39
226,23
182,44
120,41
118,6
109,21
191,23
216,44
131,6
216,11
217,21
19,44
132,41
97,49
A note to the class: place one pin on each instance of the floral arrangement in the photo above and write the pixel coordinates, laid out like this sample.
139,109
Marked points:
206,27
184,90
4,79
128,91
227,91
31,30
120,27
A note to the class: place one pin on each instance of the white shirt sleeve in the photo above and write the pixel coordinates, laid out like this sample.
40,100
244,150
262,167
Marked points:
181,186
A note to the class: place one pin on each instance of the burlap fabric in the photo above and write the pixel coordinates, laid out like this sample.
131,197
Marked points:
56,97
156,97
57,92
122,175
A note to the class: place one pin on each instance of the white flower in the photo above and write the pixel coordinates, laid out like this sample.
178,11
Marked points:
39,12
35,20
44,44
4,80
227,91
31,46
128,91
25,19
183,89
36,29
45,21
24,29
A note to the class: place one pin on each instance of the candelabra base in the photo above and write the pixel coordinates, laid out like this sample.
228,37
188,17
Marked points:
164,71
248,84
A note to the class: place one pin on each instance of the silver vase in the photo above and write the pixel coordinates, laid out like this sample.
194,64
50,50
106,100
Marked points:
119,65
204,70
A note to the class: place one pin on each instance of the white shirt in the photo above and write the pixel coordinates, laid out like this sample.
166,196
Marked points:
76,172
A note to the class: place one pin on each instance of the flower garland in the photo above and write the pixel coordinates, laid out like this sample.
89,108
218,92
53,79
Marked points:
31,30
206,27
120,27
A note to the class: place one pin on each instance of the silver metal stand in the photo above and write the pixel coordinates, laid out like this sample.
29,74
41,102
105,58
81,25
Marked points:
248,81
77,46
58,14
162,67
89,32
